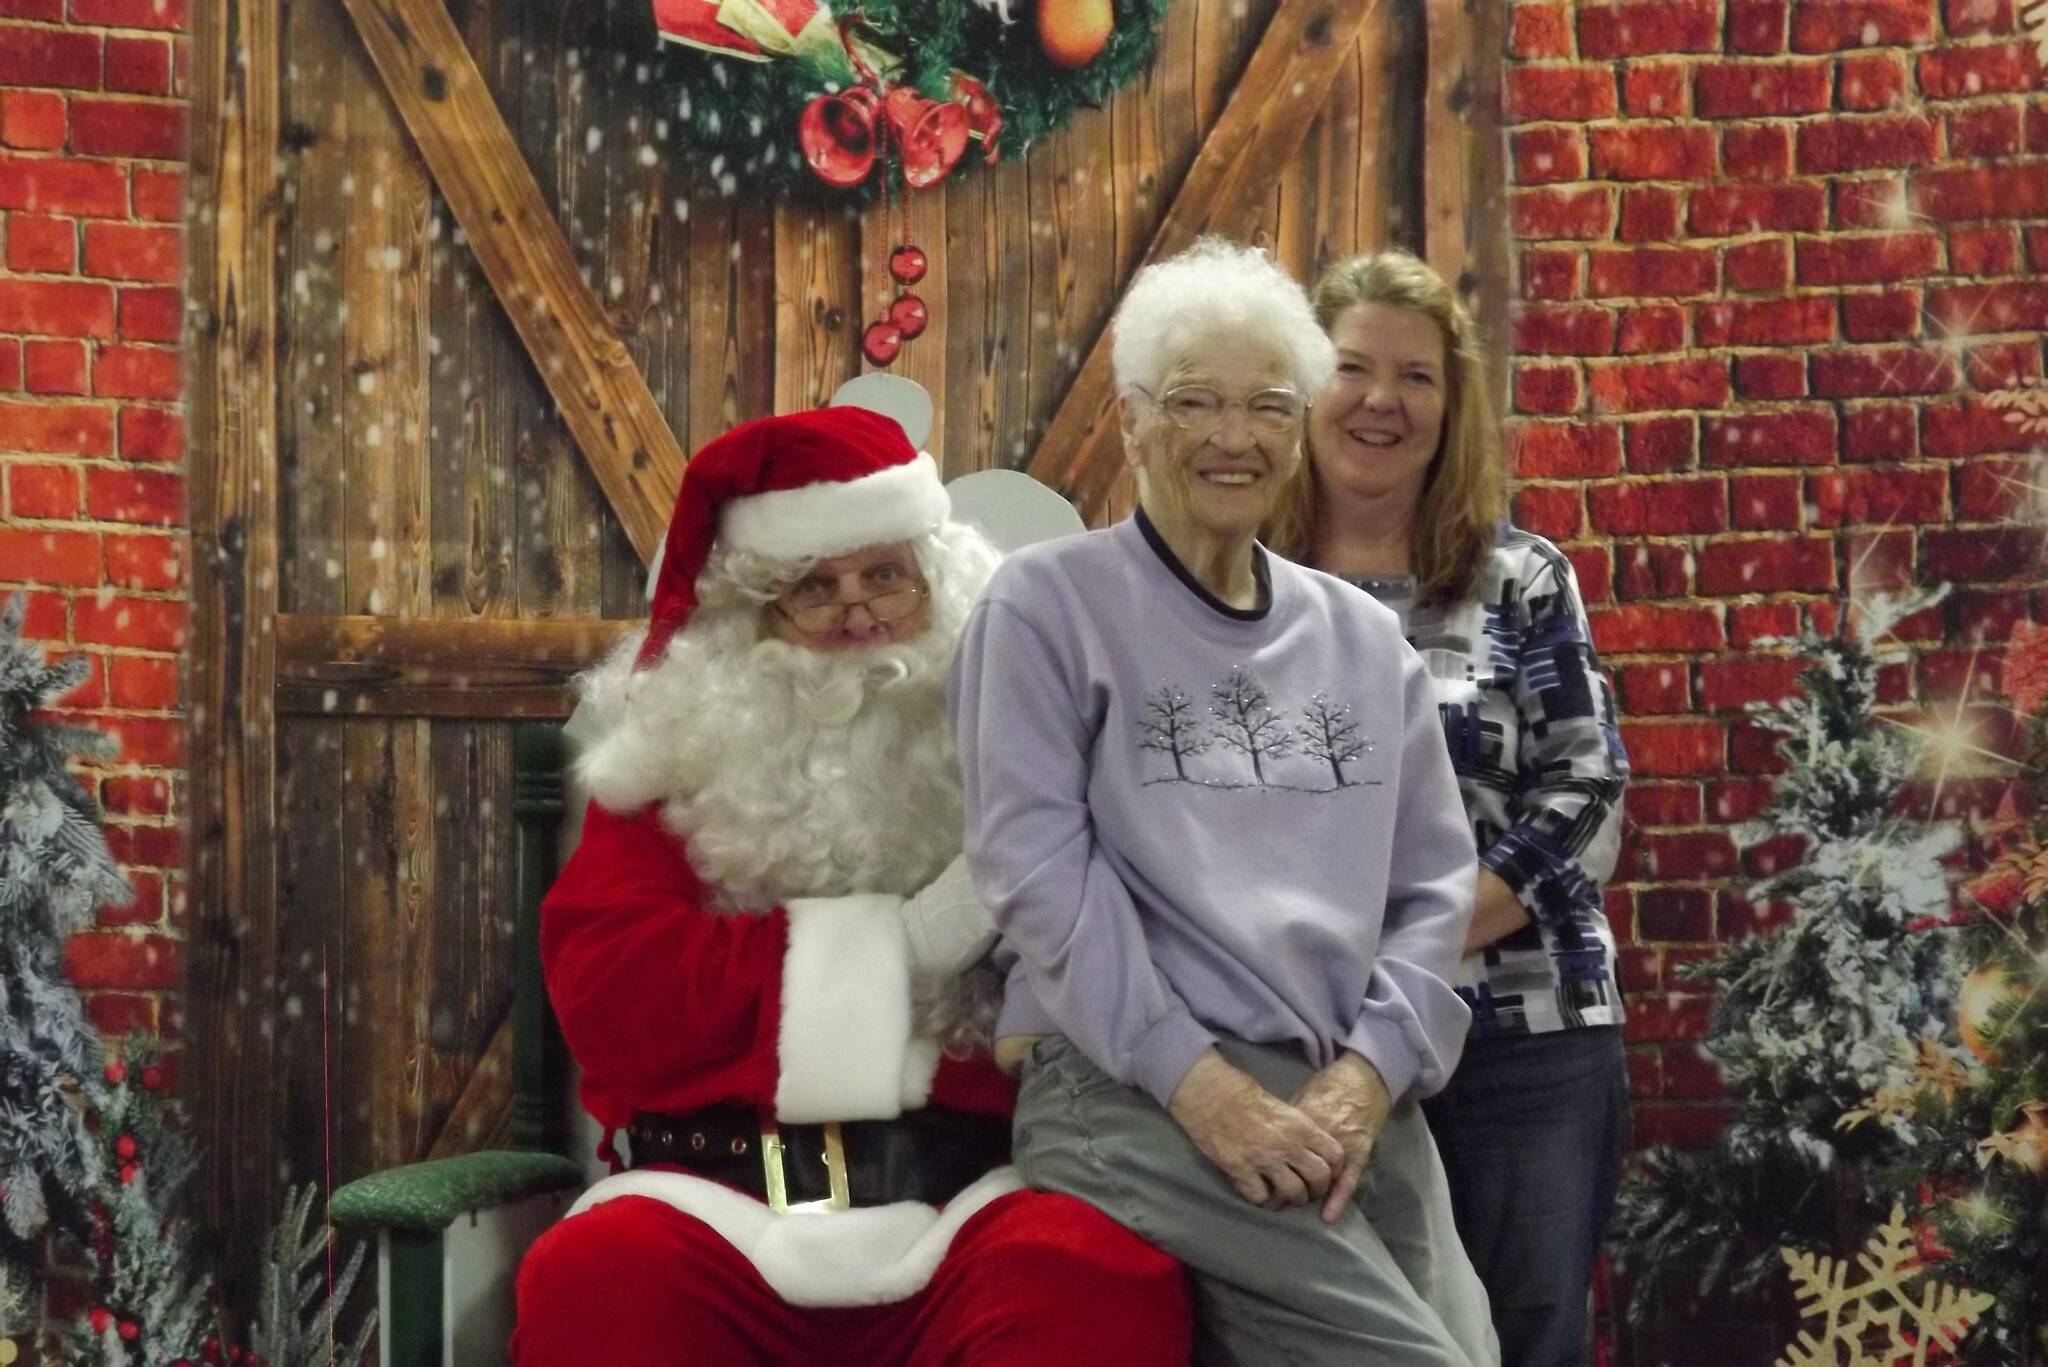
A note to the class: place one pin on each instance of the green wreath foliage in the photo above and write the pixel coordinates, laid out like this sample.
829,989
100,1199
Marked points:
738,119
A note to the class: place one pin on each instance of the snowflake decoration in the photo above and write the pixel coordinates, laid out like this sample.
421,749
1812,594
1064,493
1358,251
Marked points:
1875,1322
1929,1071
2026,409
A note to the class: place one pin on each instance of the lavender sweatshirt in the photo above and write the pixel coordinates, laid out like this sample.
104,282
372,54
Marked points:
1193,822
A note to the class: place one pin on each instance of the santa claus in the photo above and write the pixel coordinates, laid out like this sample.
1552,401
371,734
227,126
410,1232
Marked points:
768,958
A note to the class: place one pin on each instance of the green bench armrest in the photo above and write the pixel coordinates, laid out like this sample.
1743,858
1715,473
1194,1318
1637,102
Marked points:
425,1198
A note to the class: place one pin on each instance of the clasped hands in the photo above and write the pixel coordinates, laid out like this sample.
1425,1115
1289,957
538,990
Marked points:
1283,1153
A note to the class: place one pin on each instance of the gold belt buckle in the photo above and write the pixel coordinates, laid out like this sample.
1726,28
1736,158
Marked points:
778,1185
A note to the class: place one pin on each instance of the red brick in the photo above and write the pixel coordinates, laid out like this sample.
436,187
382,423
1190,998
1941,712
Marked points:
1882,431
1770,377
1690,1072
1649,272
1968,18
41,244
1867,260
161,14
1985,131
57,428
42,491
47,616
56,308
128,128
2018,306
100,959
159,196
1685,857
1647,26
151,315
1761,503
10,364
1649,214
1888,316
145,682
145,908
50,11
1659,445
1831,25
1658,327
1652,570
116,1015
136,795
1756,27
33,119
1758,267
1767,565
1577,331
1956,72
1568,93
1564,450
1751,624
138,623
2005,190
50,557
1880,370
2003,365
2037,126
149,497
1876,560
1553,214
1872,83
1730,800
62,185
130,372
1799,321
1988,618
1640,627
144,562
1666,914
1549,153
1549,389
1889,495
155,741
1537,31
1668,507
1550,510
1595,570
140,846
1970,427
1736,90
1727,210
139,66
1757,151
1682,1126
127,251
1656,151
1872,202
49,57
151,434
1637,386
1831,146
1664,804
53,367
1549,273
1653,689
1982,251
1653,90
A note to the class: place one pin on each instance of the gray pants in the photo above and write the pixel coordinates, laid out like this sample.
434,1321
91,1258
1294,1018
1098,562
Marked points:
1388,1283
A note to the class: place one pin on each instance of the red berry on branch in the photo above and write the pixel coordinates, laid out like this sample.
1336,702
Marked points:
100,1317
881,342
125,1146
152,1078
128,1171
909,315
907,264
130,1330
116,1073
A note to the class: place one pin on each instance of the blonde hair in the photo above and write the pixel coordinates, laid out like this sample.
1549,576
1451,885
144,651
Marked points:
1464,494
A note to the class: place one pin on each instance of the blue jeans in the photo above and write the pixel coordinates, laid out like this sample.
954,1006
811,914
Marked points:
1533,1130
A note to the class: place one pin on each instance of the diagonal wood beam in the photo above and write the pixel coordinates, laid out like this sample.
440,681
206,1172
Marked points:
479,170
1228,187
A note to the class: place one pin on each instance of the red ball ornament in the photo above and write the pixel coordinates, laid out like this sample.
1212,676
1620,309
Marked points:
837,135
116,1073
930,135
152,1079
908,264
129,1330
124,1147
881,342
100,1317
128,1171
909,315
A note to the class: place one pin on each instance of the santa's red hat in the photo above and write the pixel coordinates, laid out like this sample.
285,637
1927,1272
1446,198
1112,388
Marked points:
804,486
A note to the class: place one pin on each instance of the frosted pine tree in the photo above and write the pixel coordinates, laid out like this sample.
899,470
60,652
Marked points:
1812,1016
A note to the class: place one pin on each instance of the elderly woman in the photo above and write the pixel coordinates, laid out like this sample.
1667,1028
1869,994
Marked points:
1402,495
1209,807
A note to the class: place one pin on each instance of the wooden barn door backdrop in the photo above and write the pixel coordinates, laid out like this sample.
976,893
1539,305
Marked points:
461,322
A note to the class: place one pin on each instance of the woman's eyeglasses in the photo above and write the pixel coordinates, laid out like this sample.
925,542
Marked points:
817,610
1199,410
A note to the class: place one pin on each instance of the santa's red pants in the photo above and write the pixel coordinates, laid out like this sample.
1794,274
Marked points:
1033,1280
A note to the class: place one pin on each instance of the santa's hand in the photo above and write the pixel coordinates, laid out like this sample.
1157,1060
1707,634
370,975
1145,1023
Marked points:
947,926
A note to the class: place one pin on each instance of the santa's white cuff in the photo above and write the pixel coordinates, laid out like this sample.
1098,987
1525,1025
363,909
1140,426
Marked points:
845,1035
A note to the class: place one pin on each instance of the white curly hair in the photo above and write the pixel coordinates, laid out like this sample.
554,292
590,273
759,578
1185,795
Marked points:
1217,288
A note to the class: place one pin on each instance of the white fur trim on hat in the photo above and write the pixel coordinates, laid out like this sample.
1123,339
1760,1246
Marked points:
871,1255
900,503
845,1044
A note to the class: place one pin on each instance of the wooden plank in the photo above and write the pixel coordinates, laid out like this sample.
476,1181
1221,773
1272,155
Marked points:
732,314
1492,258
818,313
1447,135
232,377
1379,130
420,667
1228,186
481,1114
601,394
475,907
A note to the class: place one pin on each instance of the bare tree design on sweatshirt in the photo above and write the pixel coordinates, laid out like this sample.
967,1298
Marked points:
1246,722
1328,732
1169,725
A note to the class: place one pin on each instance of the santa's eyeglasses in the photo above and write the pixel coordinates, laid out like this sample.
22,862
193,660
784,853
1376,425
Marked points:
814,618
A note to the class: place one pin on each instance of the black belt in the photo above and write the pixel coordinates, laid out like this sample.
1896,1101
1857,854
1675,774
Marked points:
929,1155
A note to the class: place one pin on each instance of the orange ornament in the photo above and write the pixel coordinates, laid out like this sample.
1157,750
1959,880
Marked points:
1982,993
2025,1145
1072,32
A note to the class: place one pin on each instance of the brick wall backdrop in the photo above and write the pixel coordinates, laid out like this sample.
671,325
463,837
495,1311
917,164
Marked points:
92,190
1771,257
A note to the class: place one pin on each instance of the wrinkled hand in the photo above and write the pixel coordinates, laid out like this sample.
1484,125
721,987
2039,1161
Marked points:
1349,1100
947,926
1272,1153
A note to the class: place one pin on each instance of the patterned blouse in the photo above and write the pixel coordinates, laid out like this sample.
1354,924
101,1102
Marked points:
1529,719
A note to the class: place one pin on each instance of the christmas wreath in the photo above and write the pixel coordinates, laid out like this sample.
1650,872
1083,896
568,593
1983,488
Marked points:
789,97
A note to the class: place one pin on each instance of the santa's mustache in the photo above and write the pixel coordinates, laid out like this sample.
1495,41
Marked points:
830,687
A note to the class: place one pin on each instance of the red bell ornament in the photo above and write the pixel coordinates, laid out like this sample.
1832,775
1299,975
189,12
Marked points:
837,135
930,135
984,115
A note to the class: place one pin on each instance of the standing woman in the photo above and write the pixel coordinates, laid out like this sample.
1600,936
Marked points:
1403,494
